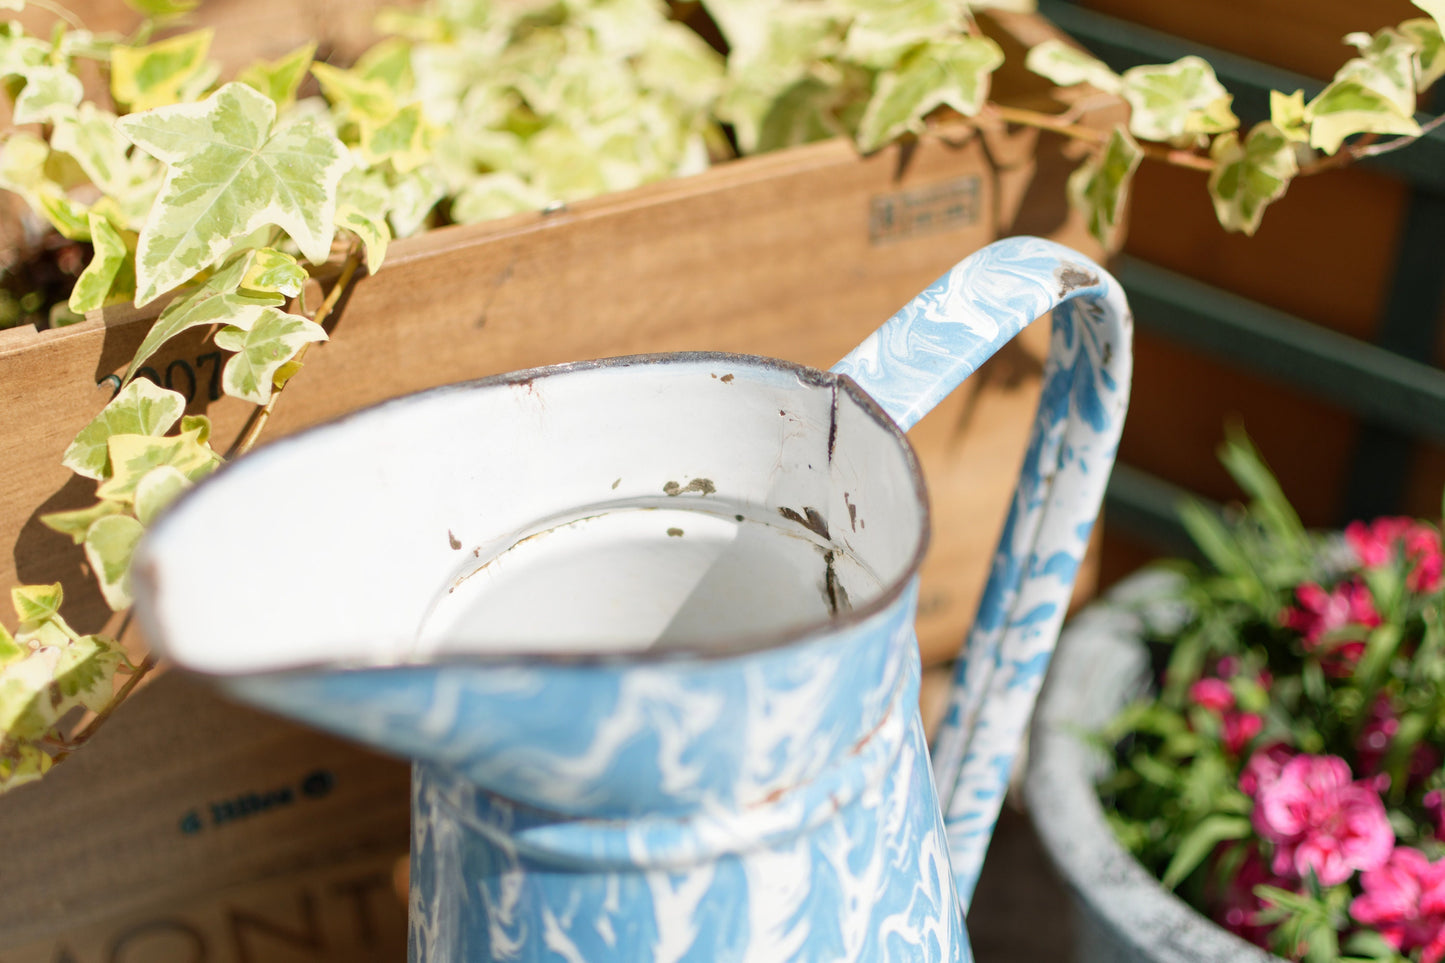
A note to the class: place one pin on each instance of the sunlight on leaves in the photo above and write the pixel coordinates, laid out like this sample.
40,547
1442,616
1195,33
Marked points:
953,73
1099,188
1248,177
36,603
280,79
268,341
133,456
228,174
104,280
1066,65
109,545
166,72
50,94
218,300
1180,102
141,408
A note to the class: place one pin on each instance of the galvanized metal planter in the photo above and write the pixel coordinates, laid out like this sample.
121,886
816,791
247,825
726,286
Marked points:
646,626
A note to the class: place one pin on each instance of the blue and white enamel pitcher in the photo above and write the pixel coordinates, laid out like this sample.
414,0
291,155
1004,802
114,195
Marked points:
645,627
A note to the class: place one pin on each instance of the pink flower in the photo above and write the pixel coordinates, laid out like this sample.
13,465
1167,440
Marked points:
1239,729
1342,615
1405,900
1212,694
1319,820
1263,768
1376,544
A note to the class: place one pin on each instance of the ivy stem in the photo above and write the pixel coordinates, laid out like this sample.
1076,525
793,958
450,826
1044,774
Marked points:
253,431
1051,122
262,415
1384,147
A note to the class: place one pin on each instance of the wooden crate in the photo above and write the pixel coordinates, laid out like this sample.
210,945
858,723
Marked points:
796,255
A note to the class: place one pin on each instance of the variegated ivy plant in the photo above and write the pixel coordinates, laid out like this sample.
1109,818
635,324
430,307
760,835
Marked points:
216,199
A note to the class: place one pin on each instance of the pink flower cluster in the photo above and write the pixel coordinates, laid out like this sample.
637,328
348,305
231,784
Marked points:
1404,898
1333,623
1318,819
1376,544
1215,696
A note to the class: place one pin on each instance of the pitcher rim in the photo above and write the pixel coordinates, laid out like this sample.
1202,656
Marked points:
147,584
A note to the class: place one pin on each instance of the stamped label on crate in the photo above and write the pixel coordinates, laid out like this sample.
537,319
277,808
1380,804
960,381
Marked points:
923,210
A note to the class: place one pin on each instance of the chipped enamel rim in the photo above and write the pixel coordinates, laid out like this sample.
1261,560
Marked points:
147,585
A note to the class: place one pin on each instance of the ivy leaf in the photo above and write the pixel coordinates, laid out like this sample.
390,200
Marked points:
140,408
229,174
405,139
273,272
9,649
21,763
1424,33
680,62
1289,116
1067,65
495,195
884,30
50,94
279,79
1390,58
157,489
104,274
1435,8
1178,102
1246,179
70,218
360,98
197,425
954,72
801,114
134,456
109,545
36,603
264,345
167,72
91,138
217,301
1100,186
1348,107
413,195
1373,93
76,523
361,209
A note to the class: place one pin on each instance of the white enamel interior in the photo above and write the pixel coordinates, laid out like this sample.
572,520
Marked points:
535,516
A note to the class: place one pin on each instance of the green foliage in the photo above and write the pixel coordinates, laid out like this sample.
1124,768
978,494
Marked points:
1100,186
867,69
230,171
1292,644
1183,105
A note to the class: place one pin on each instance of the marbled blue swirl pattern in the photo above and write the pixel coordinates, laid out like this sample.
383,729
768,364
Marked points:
909,365
774,806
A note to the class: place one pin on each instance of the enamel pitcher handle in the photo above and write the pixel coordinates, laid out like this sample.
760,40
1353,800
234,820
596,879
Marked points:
910,364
